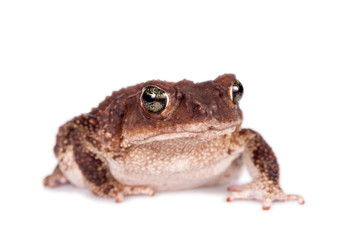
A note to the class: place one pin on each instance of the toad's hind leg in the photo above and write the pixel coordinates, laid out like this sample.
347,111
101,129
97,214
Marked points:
264,169
84,168
55,179
98,178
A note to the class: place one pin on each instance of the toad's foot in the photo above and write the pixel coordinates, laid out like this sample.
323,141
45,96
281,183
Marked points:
264,191
55,179
133,190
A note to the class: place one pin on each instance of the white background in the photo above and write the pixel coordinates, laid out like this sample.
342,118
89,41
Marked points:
299,62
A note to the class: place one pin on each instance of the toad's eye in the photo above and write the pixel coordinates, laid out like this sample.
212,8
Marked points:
236,91
154,99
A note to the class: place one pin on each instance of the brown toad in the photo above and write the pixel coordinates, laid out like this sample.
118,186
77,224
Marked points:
159,136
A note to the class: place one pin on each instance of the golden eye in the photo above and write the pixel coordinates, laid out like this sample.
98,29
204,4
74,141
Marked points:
236,91
154,99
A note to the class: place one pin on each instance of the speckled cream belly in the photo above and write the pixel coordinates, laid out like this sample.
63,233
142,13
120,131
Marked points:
177,164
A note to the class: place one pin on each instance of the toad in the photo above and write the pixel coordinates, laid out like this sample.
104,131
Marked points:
161,136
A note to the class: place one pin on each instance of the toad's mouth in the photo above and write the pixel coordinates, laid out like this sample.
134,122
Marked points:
193,131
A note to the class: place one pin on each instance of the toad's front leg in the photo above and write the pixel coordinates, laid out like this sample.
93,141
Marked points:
264,169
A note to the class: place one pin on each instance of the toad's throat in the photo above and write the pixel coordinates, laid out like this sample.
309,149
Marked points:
209,133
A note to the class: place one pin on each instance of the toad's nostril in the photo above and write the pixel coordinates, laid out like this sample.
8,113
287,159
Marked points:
198,108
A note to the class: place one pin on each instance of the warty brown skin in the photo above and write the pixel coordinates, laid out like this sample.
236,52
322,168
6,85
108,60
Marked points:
121,148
